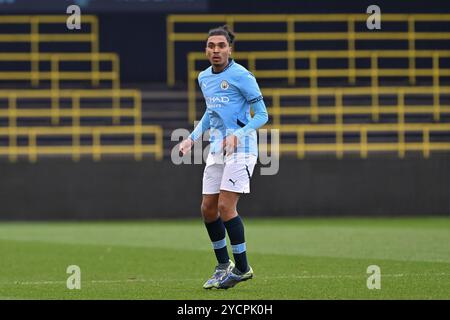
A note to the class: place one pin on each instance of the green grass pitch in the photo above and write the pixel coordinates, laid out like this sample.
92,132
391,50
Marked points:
292,259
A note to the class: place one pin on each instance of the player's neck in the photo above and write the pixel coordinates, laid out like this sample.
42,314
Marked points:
218,69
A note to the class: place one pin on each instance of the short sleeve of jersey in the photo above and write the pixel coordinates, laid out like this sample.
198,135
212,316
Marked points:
249,88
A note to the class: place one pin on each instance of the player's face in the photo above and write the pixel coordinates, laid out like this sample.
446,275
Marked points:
218,51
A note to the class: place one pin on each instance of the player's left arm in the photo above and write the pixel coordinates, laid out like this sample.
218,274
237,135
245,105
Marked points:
259,119
250,90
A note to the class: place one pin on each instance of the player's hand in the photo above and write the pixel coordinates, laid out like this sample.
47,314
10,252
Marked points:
229,144
185,146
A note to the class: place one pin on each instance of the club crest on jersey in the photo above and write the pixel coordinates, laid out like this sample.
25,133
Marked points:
224,85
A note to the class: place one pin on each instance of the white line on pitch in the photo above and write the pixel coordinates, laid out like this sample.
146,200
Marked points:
319,276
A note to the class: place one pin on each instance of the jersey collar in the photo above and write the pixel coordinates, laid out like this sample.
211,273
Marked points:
231,62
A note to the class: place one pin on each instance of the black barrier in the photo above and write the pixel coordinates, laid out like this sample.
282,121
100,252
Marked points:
61,190
99,6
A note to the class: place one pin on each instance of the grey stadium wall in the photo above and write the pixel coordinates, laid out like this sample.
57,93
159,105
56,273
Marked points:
60,190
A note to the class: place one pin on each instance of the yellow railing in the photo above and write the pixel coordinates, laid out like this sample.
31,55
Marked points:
313,73
76,149
56,74
84,140
338,109
35,37
291,37
55,112
364,146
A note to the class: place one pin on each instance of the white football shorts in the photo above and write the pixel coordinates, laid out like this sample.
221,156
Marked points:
231,173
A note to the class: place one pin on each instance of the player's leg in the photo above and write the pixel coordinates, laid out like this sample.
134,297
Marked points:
214,224
235,228
235,181
215,227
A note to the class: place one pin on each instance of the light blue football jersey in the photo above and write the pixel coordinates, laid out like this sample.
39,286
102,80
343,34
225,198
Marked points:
229,95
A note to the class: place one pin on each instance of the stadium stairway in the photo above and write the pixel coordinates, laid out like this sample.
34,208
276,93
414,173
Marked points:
167,108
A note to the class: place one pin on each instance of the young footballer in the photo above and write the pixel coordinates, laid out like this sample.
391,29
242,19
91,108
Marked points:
230,91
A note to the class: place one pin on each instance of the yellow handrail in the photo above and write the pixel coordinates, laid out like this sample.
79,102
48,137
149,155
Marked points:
56,74
96,149
313,73
276,110
35,36
290,36
363,146
374,109
55,112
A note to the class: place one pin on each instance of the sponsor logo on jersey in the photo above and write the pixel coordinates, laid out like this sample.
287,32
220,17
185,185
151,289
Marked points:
217,101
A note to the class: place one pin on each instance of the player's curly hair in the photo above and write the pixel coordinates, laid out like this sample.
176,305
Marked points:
223,31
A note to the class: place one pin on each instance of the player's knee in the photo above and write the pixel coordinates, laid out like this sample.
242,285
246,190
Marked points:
225,208
209,211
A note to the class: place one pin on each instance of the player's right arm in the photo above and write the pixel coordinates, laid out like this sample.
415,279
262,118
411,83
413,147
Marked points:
201,127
